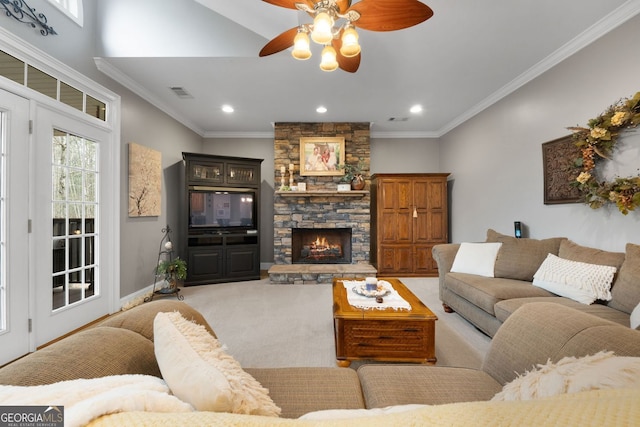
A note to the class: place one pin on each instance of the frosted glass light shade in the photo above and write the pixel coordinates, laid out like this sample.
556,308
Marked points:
301,47
350,46
322,28
329,62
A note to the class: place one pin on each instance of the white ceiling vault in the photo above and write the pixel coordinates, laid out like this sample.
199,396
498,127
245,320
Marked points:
467,56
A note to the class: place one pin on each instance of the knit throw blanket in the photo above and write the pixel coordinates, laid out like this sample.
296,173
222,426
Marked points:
87,399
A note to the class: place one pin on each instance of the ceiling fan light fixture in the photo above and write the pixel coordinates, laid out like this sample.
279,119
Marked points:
322,28
329,62
350,46
301,48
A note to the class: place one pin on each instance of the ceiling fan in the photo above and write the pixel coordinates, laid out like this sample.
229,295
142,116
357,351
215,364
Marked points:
341,48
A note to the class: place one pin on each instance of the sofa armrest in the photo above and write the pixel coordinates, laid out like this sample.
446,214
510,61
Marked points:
444,254
541,331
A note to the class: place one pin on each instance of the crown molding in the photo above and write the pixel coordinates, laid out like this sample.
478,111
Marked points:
610,22
116,74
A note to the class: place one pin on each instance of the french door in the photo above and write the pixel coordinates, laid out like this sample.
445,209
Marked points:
70,224
14,209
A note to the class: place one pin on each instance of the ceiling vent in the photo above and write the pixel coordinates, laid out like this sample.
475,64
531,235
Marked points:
398,119
181,92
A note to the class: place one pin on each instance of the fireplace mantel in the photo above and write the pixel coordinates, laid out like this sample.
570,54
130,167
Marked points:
352,193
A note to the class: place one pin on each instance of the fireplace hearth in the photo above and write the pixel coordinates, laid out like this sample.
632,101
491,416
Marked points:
321,246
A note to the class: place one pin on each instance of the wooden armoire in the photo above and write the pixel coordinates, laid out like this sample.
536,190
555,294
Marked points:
408,217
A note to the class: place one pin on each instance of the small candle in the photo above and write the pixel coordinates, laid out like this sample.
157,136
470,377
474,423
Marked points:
282,169
291,167
168,246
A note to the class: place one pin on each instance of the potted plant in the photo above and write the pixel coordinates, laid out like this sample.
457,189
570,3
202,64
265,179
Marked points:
174,270
353,174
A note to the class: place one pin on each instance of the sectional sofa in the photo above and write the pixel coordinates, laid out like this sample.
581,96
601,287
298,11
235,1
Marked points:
487,300
132,345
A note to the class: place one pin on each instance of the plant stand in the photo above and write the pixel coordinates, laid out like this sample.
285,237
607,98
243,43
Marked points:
161,284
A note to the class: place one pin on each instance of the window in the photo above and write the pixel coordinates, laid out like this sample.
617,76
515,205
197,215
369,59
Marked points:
71,8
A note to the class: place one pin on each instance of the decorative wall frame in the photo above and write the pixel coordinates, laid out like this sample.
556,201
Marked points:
557,159
145,181
322,156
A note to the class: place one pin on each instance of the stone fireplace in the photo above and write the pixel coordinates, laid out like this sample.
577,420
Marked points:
321,246
320,210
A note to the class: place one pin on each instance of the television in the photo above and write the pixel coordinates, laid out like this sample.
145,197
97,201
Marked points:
222,209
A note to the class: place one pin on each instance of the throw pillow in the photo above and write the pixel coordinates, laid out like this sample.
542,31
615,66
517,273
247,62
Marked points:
603,370
519,259
634,320
199,371
476,258
580,281
626,290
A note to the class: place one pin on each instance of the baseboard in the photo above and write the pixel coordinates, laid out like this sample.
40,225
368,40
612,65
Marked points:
132,299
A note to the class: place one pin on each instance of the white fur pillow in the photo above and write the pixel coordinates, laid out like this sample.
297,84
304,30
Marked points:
571,375
476,258
199,371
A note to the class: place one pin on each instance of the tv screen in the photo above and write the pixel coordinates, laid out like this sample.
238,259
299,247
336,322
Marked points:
221,209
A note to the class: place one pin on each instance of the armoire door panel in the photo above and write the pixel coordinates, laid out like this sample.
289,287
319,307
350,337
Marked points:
423,260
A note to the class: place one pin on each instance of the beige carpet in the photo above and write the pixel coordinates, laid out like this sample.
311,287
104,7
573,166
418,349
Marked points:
266,325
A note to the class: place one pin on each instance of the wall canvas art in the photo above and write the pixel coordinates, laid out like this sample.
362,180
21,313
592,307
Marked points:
557,159
145,181
322,156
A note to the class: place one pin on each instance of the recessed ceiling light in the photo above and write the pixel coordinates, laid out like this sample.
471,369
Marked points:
321,110
416,109
227,108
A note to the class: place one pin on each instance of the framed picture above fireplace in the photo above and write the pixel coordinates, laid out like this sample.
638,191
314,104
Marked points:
322,156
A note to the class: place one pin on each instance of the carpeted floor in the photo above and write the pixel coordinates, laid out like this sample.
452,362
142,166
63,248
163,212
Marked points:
267,325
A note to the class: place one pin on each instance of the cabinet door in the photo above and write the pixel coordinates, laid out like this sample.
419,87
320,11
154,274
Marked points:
395,259
394,211
423,262
430,214
241,173
205,172
205,263
242,261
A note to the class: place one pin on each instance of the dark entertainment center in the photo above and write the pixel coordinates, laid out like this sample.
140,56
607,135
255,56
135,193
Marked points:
222,199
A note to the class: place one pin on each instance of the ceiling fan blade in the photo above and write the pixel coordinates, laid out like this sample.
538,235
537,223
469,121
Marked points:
390,15
289,4
350,64
280,43
343,5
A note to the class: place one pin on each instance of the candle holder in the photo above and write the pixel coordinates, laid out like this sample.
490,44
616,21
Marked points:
290,178
282,180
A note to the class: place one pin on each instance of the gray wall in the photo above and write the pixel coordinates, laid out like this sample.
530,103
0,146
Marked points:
496,157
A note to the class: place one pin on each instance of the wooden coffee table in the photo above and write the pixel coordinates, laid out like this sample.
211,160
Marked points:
383,335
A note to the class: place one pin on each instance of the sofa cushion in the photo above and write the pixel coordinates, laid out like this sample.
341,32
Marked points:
520,258
299,390
388,385
626,288
140,318
476,258
91,353
602,370
199,372
504,309
579,281
574,252
485,292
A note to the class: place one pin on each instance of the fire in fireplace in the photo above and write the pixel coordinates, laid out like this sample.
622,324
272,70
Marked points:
321,246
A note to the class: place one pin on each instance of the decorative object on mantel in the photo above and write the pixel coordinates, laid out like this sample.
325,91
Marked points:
597,142
22,12
322,156
341,47
169,271
353,174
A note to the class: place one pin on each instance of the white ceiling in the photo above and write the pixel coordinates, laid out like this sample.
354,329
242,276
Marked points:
469,55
